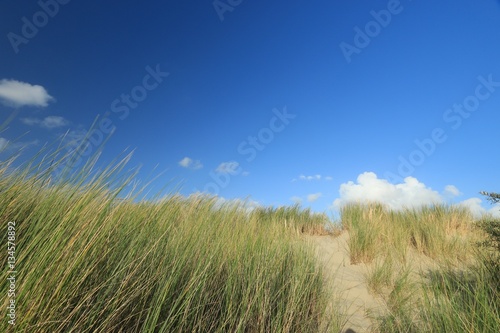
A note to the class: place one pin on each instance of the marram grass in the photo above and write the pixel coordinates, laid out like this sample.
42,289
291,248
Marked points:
456,290
88,262
438,232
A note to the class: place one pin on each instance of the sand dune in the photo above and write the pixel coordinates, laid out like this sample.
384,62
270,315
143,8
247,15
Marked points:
347,282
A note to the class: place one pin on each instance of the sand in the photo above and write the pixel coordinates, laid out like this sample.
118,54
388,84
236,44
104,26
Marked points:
348,282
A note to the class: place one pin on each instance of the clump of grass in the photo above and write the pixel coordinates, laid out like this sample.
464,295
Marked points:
447,301
458,294
88,262
490,246
300,220
380,275
460,301
437,231
401,304
363,224
465,299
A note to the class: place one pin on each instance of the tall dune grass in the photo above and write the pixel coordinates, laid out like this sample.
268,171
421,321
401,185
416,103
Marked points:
437,231
455,290
88,262
295,218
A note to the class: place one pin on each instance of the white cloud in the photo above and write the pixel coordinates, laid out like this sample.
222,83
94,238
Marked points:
15,93
53,122
74,138
246,204
313,197
313,177
495,210
49,122
474,205
296,200
189,163
30,121
3,143
185,162
228,167
451,191
411,193
9,145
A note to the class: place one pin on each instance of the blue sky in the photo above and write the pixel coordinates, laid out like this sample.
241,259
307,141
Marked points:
321,102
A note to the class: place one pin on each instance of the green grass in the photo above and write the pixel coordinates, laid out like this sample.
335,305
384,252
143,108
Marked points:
461,301
427,265
381,274
438,232
88,262
300,220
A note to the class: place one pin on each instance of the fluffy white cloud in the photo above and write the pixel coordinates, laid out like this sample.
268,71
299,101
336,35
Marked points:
474,205
15,93
228,167
296,200
495,211
313,197
411,193
189,163
49,122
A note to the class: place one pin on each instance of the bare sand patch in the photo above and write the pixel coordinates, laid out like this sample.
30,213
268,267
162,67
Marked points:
347,283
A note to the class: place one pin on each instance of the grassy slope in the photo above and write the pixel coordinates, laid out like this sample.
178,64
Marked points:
428,267
87,262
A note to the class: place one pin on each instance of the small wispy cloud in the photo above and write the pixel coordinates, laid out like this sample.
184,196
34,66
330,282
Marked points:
247,204
7,145
313,177
3,143
296,200
451,191
74,137
230,168
16,94
313,197
189,163
49,122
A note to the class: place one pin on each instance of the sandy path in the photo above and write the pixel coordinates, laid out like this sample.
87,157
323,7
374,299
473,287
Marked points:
347,281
